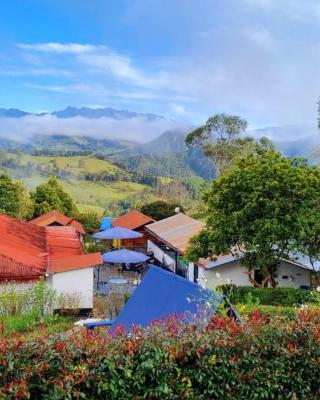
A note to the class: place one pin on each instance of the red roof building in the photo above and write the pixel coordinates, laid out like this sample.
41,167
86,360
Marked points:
135,221
28,251
132,220
55,218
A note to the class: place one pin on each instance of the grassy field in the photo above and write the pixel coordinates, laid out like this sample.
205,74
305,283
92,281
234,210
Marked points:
94,196
79,164
89,195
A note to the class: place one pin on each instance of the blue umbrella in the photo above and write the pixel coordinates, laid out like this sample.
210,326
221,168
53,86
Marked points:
117,233
124,256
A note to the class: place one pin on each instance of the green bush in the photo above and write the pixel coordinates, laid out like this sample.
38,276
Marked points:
269,296
262,358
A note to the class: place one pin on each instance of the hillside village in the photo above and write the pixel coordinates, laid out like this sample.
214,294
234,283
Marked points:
159,200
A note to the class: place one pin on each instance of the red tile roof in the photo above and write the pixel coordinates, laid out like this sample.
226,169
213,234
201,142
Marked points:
132,220
54,216
29,251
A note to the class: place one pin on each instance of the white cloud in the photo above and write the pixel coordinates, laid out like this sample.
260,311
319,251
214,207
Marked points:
136,129
53,47
179,109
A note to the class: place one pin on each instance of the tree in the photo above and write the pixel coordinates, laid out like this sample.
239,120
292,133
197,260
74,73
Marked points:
220,138
90,220
14,198
160,209
50,195
260,210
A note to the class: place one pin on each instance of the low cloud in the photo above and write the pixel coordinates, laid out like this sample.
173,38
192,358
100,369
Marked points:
135,129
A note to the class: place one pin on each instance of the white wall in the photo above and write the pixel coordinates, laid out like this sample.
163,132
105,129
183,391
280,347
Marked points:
231,273
161,256
77,282
296,276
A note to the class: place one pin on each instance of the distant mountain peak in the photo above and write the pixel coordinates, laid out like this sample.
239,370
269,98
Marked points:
85,112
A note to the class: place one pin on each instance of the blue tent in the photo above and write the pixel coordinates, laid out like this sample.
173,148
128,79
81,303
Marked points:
117,233
106,223
124,256
159,295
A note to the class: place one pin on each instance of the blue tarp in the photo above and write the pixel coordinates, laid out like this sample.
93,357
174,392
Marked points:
117,233
124,256
161,294
106,223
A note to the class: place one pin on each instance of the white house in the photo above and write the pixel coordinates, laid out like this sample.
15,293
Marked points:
227,270
29,252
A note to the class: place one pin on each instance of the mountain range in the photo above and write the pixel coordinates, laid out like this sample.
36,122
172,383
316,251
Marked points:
85,112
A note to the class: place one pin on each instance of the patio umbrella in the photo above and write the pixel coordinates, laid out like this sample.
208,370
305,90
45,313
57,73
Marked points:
124,256
117,233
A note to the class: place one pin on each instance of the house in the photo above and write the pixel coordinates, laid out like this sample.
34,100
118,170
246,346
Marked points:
294,273
168,240
29,252
162,294
106,223
55,218
135,221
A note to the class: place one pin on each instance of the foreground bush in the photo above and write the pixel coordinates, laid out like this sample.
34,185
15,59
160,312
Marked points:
263,358
270,296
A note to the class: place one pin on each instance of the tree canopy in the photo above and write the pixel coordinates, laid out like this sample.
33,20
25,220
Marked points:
50,195
221,140
160,209
263,209
14,198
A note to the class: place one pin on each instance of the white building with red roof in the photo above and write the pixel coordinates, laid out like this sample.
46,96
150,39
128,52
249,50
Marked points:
29,252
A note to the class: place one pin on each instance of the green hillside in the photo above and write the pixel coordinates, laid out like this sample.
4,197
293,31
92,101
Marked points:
96,185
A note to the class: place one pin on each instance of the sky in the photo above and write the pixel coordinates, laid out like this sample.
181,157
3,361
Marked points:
184,59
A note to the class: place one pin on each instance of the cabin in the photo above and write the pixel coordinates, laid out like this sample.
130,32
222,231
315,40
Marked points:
294,273
168,240
55,218
135,221
29,252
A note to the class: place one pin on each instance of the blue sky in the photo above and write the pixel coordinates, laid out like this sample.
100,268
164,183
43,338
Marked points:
185,59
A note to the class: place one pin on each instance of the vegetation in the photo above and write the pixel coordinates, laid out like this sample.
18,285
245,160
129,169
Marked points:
281,296
262,358
99,185
160,209
260,210
220,138
14,198
51,196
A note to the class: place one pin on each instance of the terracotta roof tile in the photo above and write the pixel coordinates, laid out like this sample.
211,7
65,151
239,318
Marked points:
27,251
132,220
54,216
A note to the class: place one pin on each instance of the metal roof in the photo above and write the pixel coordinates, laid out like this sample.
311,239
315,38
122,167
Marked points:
300,260
132,220
176,231
55,216
28,251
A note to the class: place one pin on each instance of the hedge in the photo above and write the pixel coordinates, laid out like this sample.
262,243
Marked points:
263,358
270,296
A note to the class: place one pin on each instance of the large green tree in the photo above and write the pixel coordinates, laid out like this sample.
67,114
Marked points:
50,195
14,198
263,209
222,140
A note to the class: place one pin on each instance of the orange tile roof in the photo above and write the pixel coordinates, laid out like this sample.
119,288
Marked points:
132,220
176,231
29,251
54,216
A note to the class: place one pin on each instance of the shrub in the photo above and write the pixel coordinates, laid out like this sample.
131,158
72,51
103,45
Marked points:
263,358
269,296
